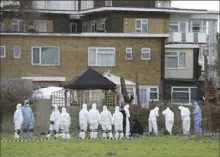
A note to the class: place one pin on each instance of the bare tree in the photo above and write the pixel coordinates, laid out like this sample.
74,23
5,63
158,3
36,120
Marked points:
124,90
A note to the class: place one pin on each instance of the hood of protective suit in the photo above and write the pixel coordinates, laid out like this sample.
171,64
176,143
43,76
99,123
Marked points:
195,104
84,106
94,106
180,107
26,103
63,110
126,107
156,109
117,109
18,107
105,108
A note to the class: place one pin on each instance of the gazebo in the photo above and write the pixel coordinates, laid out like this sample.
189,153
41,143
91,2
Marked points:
90,87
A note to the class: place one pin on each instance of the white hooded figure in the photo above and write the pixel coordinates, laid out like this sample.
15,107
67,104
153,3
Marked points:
169,119
185,117
18,120
65,123
127,128
54,122
83,121
93,121
152,120
106,122
118,123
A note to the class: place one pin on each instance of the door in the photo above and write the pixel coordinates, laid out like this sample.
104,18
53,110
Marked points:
73,27
144,97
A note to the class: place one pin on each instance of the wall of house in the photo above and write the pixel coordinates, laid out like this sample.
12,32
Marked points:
74,57
183,73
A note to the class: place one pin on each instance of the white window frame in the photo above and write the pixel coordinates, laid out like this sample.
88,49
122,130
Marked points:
143,52
14,56
85,25
182,87
71,25
97,48
17,22
178,24
108,3
94,24
142,21
4,56
149,91
40,47
178,56
128,51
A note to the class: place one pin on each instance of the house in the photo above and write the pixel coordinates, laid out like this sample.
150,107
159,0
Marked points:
126,40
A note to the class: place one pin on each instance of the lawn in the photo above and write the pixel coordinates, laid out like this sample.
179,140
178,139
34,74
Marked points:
119,148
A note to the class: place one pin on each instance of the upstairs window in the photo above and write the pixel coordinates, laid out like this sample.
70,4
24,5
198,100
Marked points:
175,60
128,54
18,25
41,25
108,3
17,51
2,52
145,54
94,26
73,27
177,27
141,26
85,27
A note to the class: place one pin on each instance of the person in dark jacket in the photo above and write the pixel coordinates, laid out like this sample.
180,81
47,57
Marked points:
137,128
124,119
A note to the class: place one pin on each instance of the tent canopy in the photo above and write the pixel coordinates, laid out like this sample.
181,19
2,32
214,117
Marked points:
90,79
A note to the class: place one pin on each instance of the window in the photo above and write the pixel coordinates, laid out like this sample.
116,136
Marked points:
73,27
145,54
148,94
177,27
103,24
85,27
1,26
41,25
93,26
196,25
108,3
2,52
154,94
141,26
18,25
101,56
128,54
131,91
46,56
183,95
175,60
17,51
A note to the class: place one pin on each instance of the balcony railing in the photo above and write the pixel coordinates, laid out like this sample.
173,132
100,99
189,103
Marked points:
187,37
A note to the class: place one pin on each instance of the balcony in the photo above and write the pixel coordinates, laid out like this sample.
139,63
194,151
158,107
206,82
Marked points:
188,37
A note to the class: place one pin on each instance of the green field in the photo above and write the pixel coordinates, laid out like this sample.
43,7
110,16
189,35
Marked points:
151,147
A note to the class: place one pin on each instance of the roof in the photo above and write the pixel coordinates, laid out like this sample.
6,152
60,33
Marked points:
116,79
104,35
90,79
216,81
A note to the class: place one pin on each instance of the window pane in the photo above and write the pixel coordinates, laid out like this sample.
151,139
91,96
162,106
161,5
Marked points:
193,94
153,96
2,51
171,62
49,55
73,28
92,57
128,55
14,28
143,96
180,97
103,50
173,28
17,51
182,27
138,23
144,27
138,30
21,26
41,26
153,89
145,55
182,62
171,53
36,55
181,89
106,59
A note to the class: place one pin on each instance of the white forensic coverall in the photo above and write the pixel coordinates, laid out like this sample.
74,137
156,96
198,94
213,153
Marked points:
54,122
93,121
127,128
106,122
65,123
18,120
83,121
152,120
185,117
169,119
118,123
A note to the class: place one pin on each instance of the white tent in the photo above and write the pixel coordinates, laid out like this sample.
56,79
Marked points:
45,93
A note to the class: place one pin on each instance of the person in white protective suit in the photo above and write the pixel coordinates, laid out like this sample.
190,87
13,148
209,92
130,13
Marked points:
83,121
65,123
152,120
54,122
18,121
106,122
94,119
169,119
117,121
185,117
127,128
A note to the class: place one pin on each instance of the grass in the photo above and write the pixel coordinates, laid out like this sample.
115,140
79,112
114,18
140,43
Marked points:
117,148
